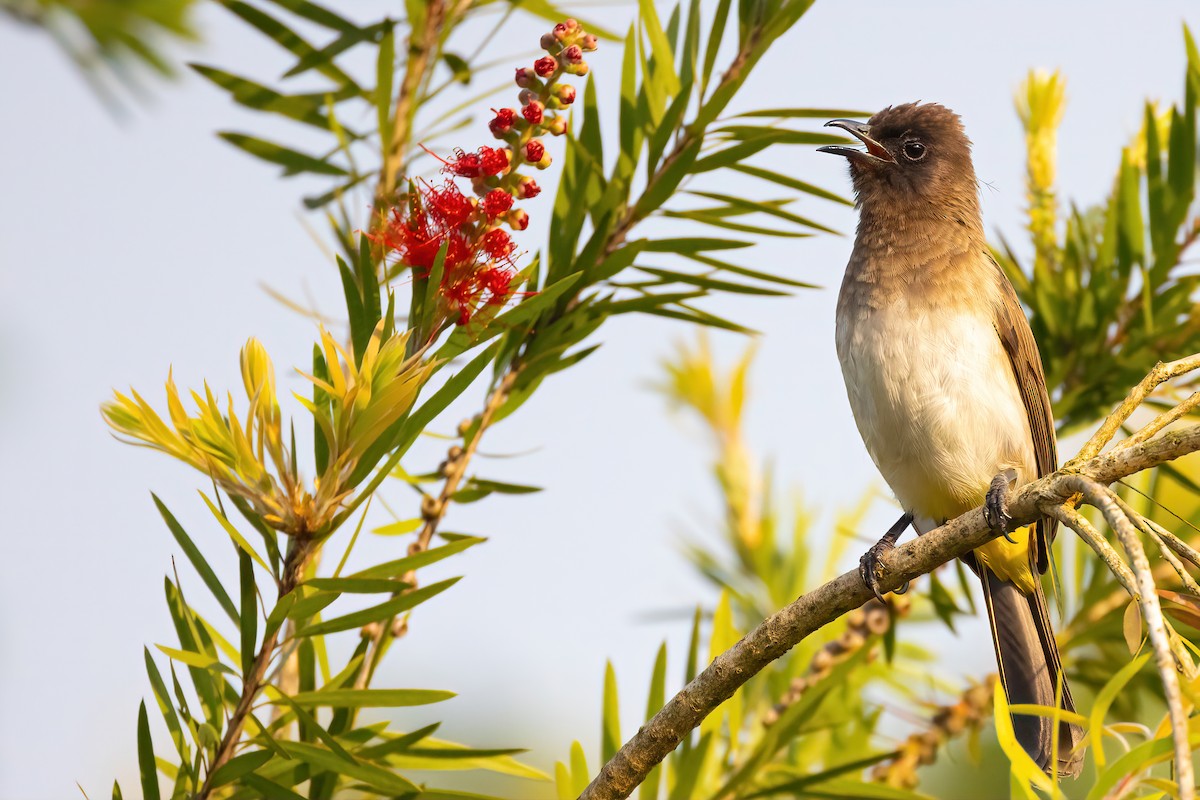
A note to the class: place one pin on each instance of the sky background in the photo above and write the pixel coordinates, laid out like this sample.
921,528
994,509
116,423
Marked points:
130,244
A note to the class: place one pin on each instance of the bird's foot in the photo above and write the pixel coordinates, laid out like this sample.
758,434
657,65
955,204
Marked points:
995,505
870,566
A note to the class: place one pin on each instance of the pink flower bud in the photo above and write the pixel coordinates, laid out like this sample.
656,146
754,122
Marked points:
545,66
560,31
534,150
571,24
589,42
526,77
526,96
533,113
548,41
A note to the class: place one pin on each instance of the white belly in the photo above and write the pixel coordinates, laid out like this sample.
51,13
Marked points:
936,403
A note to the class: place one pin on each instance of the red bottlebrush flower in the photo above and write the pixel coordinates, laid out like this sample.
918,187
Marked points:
534,150
496,202
502,123
497,244
498,283
565,94
525,77
447,205
493,160
465,165
529,188
545,66
533,113
573,54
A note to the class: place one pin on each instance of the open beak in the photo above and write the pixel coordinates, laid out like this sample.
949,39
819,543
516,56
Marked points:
861,131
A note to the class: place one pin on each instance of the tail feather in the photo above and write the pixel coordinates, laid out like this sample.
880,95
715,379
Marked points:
1029,664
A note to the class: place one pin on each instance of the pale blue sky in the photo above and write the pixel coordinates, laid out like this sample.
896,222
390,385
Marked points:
128,246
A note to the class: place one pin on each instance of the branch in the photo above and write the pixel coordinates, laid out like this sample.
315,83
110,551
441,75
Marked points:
812,611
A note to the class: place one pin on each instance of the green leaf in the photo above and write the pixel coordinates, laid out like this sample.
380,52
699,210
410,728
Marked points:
764,208
655,701
1104,700
376,613
376,777
237,537
318,14
502,488
293,161
385,70
326,55
664,58
399,527
711,284
287,38
239,766
715,34
725,266
668,178
193,659
692,244
165,707
146,766
790,182
361,324
301,108
610,723
807,113
356,585
371,698
197,558
393,569
249,615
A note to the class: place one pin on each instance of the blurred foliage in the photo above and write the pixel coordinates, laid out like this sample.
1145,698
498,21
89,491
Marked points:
1110,291
439,305
106,38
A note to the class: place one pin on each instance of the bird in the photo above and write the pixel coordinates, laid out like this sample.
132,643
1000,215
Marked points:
945,382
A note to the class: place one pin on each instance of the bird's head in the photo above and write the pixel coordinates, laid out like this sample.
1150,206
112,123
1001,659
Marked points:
916,155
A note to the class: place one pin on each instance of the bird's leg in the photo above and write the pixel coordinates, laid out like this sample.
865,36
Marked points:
995,505
870,567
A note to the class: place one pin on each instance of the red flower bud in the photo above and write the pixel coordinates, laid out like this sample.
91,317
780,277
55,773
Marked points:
525,77
502,123
529,188
545,66
534,150
496,202
565,93
560,31
548,41
573,54
518,219
533,113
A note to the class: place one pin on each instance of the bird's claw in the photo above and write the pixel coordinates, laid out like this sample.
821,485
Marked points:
870,566
995,505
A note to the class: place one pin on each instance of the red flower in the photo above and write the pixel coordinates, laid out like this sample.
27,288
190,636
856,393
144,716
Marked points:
534,150
448,205
545,66
498,283
465,165
498,244
496,202
533,113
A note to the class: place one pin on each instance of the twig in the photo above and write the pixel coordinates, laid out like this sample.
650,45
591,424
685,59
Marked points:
1160,374
301,551
783,630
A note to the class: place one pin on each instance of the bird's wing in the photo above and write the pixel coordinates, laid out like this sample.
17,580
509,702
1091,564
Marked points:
1026,362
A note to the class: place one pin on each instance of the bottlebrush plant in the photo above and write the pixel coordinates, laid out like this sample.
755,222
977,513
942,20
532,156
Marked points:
252,704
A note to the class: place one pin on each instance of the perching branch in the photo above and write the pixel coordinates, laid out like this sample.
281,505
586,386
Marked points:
1087,476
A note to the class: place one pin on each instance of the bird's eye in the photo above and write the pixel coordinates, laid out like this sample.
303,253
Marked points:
914,150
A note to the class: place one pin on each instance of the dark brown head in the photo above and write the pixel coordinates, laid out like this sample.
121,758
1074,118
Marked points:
917,161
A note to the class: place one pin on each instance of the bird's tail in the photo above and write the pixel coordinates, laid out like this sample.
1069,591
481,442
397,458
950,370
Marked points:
1027,657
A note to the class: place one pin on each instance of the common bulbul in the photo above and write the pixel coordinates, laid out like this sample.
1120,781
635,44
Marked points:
946,385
